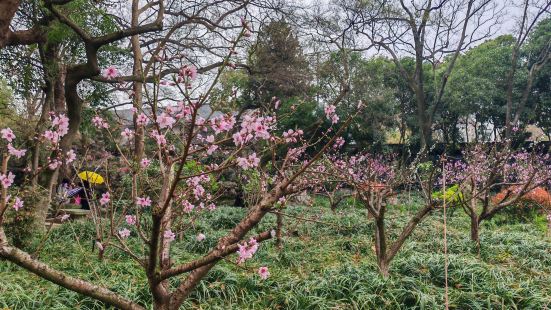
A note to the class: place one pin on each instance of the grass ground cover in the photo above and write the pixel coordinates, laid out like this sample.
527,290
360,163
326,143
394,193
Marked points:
326,264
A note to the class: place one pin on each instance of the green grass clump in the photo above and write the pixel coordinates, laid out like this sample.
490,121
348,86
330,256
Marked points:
326,264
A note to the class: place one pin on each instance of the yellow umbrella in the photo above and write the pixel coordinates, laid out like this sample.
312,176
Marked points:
91,177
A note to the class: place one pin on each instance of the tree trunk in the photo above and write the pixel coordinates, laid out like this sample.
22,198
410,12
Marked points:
383,268
474,228
7,12
137,71
475,232
279,220
380,245
161,305
422,119
74,111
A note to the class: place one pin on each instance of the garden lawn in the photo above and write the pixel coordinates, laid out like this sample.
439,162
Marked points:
327,264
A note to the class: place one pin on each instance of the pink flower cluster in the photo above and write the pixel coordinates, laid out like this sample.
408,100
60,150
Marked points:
195,183
169,235
142,119
364,168
164,120
159,138
105,198
247,250
18,204
110,72
200,237
187,72
143,201
70,156
100,122
222,123
339,142
60,127
15,152
124,233
127,133
263,272
7,179
292,136
246,163
330,113
254,127
7,134
130,219
188,206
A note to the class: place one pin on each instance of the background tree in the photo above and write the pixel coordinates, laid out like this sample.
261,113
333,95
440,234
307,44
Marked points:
532,12
428,32
371,82
475,91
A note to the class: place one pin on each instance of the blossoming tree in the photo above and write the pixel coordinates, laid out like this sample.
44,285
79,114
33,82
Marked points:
191,152
375,181
482,171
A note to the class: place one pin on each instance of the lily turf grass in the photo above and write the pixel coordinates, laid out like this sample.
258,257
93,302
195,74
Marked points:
327,264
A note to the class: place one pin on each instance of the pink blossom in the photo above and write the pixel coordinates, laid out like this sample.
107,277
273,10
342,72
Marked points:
330,113
254,127
222,123
144,163
159,138
18,204
200,237
294,153
248,162
164,120
210,139
100,122
7,180
54,164
263,272
329,110
339,142
124,233
292,136
51,136
15,152
188,207
198,191
169,235
143,201
142,120
211,149
211,207
78,199
7,134
188,72
185,110
70,156
110,72
105,198
247,250
127,133
65,217
62,123
130,219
